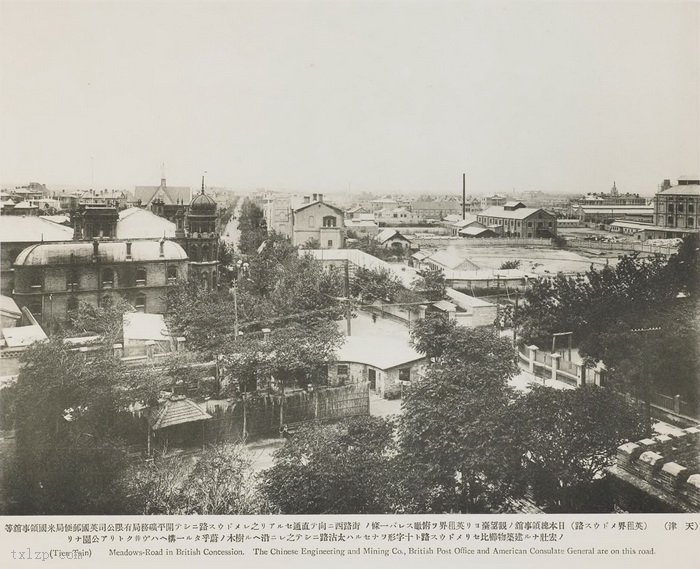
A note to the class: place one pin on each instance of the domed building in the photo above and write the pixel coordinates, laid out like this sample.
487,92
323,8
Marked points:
196,232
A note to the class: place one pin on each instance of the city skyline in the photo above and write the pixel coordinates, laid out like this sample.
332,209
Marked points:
384,98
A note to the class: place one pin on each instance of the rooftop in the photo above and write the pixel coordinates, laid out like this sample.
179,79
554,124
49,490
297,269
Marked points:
23,335
16,229
381,352
389,233
681,190
43,254
176,411
141,326
520,213
139,223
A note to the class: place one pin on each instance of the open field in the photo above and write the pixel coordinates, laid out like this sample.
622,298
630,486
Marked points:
534,259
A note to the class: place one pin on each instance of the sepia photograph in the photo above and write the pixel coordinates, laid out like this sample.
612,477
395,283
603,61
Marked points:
341,257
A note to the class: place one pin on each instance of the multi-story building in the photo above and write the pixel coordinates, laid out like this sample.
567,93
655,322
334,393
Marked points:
51,278
676,207
317,220
514,219
163,200
436,210
493,200
18,233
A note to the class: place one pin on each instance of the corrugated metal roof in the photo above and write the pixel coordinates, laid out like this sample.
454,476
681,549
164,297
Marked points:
43,254
176,411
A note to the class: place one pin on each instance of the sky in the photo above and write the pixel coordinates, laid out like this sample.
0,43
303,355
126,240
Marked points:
337,96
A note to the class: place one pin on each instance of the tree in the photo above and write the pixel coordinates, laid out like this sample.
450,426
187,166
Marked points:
333,469
252,227
570,438
451,433
220,482
431,283
295,355
105,320
68,458
375,284
512,264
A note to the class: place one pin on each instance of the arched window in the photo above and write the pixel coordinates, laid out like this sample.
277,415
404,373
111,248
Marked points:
140,302
205,253
107,278
141,276
172,274
329,221
36,279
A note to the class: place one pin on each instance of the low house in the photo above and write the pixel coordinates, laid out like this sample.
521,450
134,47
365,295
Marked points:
450,260
178,421
19,331
385,363
392,239
362,224
144,333
476,230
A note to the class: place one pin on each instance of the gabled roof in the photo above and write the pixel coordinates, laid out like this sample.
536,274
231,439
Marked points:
139,223
520,213
171,195
388,233
450,259
474,231
176,411
304,206
15,229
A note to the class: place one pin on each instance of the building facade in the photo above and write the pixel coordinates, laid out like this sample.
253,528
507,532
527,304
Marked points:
51,278
516,220
320,221
676,207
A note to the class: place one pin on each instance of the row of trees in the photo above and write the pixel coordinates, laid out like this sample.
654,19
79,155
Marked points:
639,317
465,442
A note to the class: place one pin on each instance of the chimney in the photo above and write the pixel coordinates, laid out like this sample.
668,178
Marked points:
162,182
162,247
666,185
315,197
320,197
306,199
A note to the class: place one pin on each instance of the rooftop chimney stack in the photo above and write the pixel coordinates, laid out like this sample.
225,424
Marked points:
315,197
306,199
320,197
162,247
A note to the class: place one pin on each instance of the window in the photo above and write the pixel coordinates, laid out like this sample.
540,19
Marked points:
141,276
691,208
329,221
36,280
670,220
690,222
670,208
405,374
140,302
330,243
529,224
680,208
172,274
72,281
343,369
107,278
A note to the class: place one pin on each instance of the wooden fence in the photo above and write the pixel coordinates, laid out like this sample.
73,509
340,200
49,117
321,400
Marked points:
624,246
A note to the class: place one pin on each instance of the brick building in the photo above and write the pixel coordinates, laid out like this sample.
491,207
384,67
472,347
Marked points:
516,220
316,219
50,278
676,207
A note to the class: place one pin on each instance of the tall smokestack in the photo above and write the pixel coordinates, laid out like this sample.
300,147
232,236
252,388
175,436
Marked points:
464,196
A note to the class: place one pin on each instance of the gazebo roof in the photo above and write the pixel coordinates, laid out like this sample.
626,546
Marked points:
175,411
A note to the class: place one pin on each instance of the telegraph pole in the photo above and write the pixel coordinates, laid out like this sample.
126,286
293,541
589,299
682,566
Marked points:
348,310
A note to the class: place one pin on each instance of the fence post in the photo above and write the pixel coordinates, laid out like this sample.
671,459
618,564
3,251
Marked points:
533,355
555,365
677,404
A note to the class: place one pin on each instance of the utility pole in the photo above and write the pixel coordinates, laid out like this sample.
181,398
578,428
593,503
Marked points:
348,310
464,196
